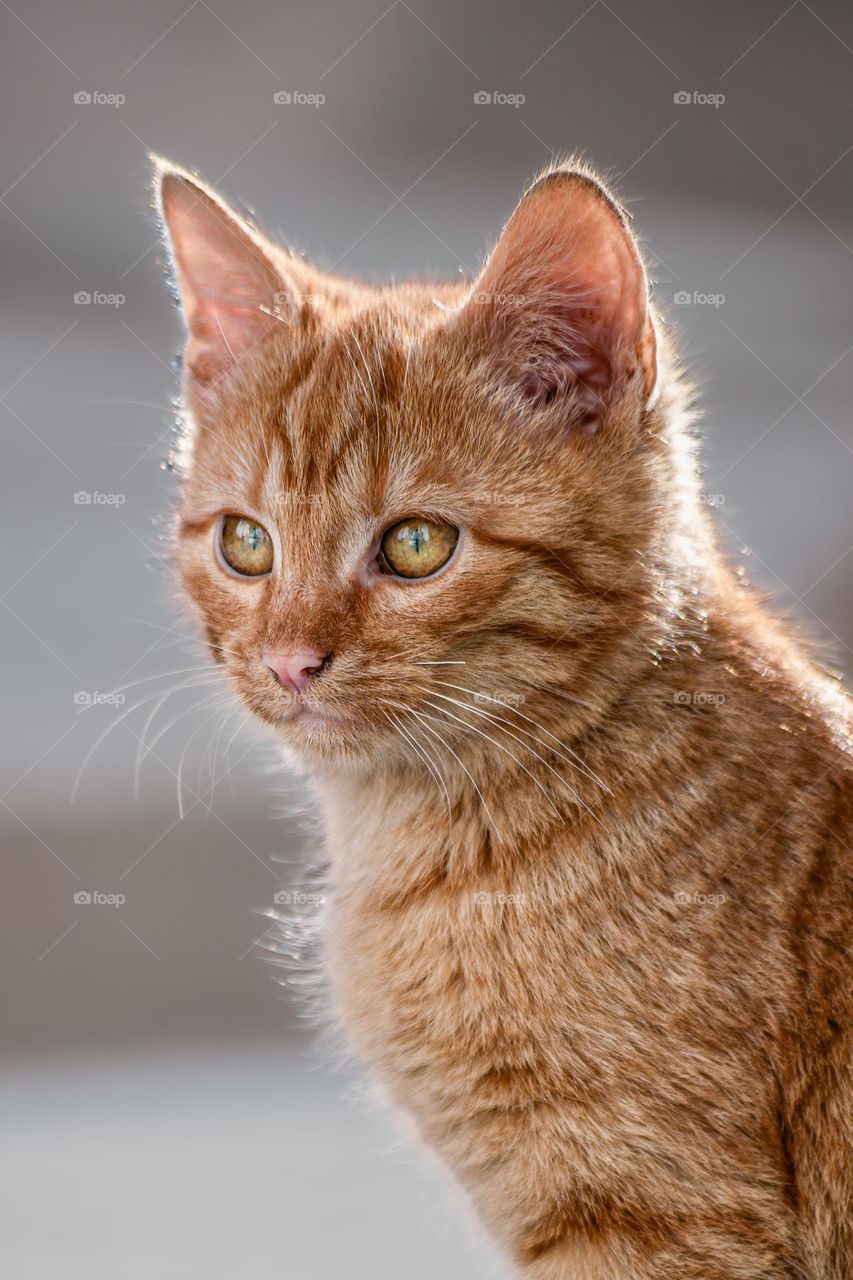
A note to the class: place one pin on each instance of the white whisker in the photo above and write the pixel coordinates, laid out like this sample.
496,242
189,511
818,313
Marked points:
571,757
406,736
180,635
458,760
145,749
141,702
557,693
437,772
198,669
213,746
472,729
228,762
439,662
493,719
205,798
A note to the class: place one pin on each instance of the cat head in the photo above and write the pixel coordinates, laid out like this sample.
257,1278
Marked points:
398,504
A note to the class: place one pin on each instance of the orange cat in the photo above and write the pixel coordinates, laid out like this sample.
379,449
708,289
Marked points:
586,805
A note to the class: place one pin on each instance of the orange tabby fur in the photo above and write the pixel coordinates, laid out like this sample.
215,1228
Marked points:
589,910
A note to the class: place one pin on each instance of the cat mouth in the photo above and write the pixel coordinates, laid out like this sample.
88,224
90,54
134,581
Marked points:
314,717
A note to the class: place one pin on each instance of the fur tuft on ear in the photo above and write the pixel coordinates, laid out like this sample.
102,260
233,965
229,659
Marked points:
562,303
230,287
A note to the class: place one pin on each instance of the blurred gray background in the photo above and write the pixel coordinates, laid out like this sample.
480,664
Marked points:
165,1111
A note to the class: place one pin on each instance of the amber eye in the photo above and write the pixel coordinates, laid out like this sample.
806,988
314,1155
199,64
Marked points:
245,546
416,548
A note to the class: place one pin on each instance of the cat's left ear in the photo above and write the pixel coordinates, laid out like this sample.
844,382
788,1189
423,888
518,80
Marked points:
232,285
562,304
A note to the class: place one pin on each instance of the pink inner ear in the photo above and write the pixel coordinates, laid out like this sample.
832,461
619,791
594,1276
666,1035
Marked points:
567,292
221,333
587,378
229,286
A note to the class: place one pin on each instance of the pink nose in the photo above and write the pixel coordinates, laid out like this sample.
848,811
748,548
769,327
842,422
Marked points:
293,668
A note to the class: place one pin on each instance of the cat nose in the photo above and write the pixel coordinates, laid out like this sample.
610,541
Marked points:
293,668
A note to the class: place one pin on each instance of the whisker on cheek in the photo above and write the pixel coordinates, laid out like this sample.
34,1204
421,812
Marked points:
500,722
473,729
565,752
447,747
440,662
424,757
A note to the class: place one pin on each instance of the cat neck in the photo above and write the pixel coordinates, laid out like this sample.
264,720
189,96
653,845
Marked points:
466,806
514,792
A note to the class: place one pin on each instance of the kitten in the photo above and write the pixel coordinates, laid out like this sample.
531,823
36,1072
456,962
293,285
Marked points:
585,803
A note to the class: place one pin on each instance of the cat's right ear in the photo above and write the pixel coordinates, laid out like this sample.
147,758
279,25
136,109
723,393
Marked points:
232,289
562,304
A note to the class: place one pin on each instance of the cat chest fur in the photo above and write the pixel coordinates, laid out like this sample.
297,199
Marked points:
542,1035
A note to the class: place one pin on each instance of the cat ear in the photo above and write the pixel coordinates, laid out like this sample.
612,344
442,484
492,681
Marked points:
562,302
232,290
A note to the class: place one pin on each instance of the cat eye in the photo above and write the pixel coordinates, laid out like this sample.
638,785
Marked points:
245,547
416,547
